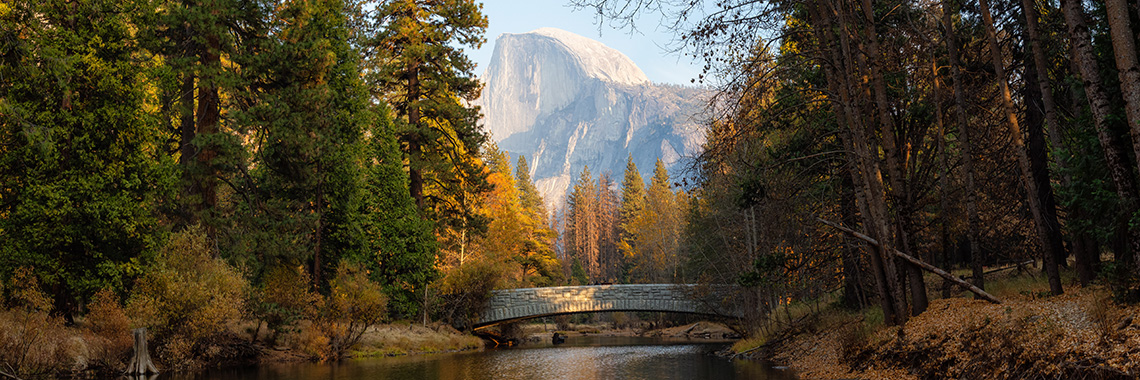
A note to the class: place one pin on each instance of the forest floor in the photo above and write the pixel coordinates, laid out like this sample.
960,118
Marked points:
1079,335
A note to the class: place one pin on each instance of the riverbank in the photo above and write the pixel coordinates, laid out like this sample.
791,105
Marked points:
1081,334
400,339
694,330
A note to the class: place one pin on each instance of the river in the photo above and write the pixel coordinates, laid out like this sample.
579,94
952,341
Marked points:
580,358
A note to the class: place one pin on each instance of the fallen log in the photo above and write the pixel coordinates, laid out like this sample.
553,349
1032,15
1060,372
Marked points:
995,270
941,273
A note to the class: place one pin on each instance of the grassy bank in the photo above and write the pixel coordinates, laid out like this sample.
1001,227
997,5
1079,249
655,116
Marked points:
1081,334
411,339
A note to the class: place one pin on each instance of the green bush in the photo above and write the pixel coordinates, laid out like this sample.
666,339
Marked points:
187,299
285,298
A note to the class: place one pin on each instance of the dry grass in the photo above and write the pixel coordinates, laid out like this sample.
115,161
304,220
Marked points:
409,338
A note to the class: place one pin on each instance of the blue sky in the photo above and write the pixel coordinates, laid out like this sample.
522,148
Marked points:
647,47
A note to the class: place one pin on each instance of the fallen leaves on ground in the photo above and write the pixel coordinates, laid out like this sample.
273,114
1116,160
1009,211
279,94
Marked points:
1081,334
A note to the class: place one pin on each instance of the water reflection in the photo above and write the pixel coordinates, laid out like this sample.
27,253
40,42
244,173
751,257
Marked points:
581,358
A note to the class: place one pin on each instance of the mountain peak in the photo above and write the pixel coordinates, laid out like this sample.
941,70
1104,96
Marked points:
565,101
596,59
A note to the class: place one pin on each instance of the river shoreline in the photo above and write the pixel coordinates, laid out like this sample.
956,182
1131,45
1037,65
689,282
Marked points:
1081,334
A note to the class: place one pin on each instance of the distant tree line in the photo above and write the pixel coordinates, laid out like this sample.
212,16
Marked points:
624,233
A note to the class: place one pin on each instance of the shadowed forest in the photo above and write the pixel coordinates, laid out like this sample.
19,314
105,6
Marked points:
911,188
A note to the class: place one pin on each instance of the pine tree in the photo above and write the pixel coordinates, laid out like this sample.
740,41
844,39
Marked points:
581,224
538,256
313,113
403,256
632,203
632,191
204,45
420,69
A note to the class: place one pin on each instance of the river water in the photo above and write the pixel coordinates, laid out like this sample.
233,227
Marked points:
580,358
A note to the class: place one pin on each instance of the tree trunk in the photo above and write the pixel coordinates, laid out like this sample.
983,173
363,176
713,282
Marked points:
870,196
838,70
972,220
943,176
140,362
1036,207
186,98
415,138
852,291
1124,48
895,169
1041,69
1039,164
1114,156
209,113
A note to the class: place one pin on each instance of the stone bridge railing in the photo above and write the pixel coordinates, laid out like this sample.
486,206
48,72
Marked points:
519,304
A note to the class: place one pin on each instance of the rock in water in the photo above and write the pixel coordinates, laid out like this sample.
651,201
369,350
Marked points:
565,101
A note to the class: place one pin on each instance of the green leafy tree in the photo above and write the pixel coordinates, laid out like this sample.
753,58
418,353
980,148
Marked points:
81,161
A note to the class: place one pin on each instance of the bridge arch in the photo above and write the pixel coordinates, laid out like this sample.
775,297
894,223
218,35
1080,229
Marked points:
510,305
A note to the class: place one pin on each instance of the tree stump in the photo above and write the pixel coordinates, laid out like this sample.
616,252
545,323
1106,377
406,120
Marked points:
140,362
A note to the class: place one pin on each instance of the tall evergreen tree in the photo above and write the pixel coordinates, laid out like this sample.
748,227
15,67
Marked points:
581,222
403,257
632,191
313,113
82,165
632,203
538,255
421,70
203,45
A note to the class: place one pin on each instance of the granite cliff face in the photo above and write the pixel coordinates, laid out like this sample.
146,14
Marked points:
565,101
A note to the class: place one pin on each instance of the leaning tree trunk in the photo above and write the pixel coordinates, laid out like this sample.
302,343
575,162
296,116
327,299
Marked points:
972,220
1035,205
1041,68
895,169
140,362
869,182
1124,48
943,175
1114,157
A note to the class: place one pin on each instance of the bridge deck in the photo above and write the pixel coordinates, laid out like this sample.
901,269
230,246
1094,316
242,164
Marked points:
518,304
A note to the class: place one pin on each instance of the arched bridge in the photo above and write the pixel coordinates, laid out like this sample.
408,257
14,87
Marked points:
519,304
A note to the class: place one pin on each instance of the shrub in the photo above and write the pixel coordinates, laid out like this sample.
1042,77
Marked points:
466,290
109,330
33,344
355,303
187,299
285,299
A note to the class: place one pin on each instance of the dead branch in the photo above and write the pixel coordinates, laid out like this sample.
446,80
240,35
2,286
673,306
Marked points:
950,277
